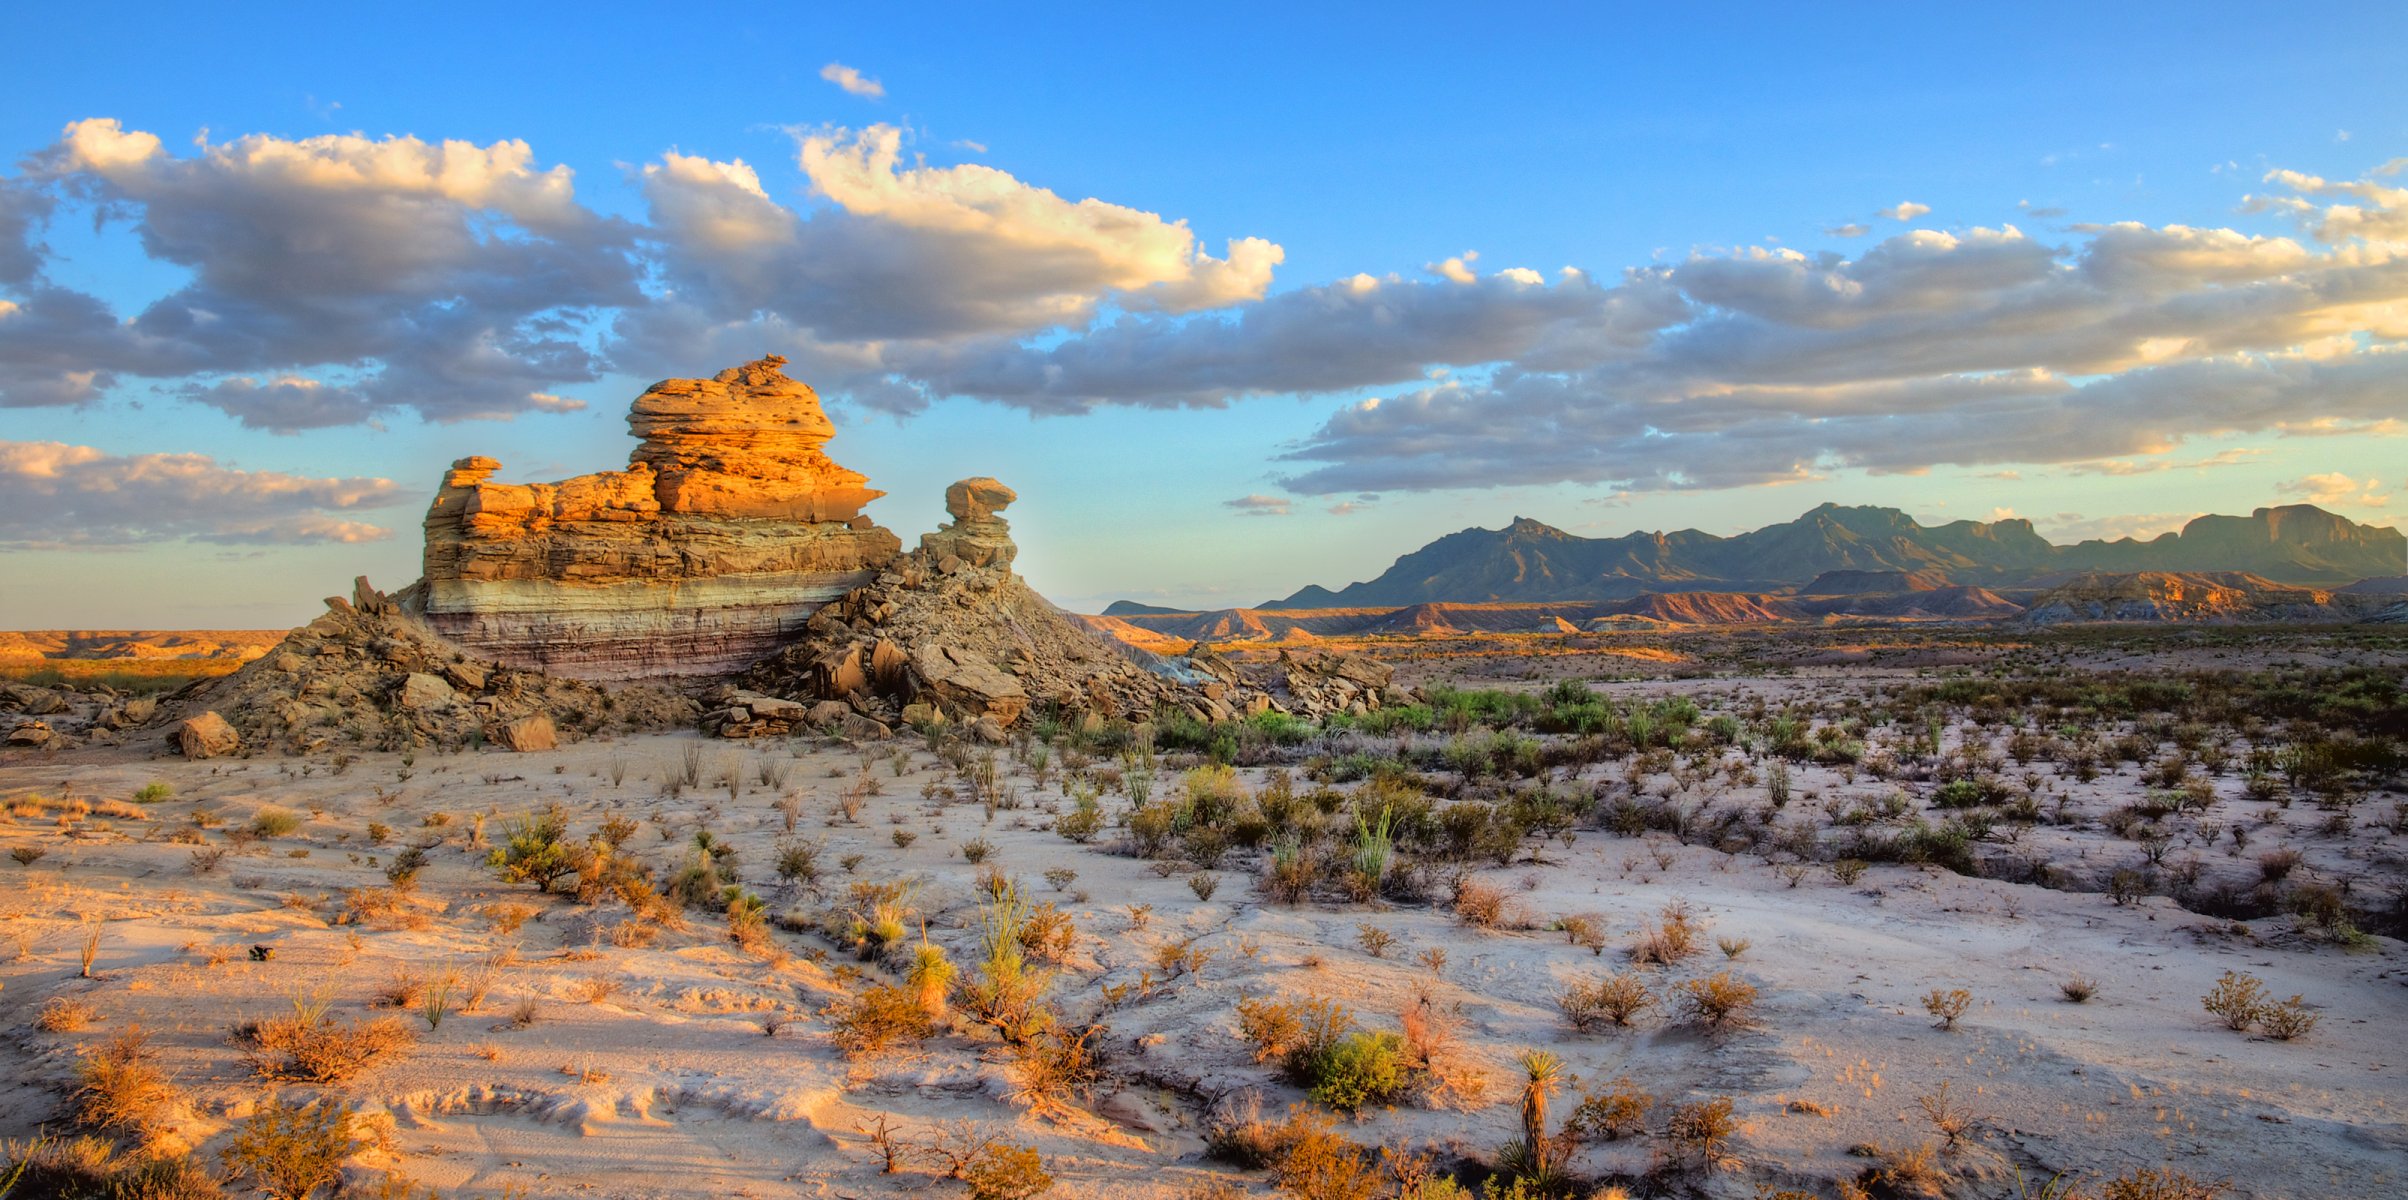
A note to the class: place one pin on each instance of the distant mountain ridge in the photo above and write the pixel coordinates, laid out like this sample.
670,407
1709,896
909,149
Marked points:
1532,562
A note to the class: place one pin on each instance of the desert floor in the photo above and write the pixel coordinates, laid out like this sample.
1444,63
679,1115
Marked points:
596,1062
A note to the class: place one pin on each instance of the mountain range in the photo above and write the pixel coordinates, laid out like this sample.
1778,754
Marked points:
1836,548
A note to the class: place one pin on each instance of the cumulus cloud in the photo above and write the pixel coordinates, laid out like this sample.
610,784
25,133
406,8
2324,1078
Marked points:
1981,347
460,271
1260,505
1851,229
852,80
904,265
2067,528
1905,210
287,405
2127,466
56,494
340,279
2332,487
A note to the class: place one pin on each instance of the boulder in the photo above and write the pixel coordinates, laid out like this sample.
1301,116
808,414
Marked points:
527,733
31,734
828,714
206,736
420,692
861,729
30,700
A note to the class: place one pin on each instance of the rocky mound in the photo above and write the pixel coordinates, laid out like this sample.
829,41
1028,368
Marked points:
1860,583
2215,597
949,633
728,528
369,674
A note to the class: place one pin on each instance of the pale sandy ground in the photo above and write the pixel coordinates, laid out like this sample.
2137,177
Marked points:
667,1087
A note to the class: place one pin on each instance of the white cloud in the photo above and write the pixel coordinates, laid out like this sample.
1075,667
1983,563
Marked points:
55,494
852,80
2332,487
1852,229
1905,210
904,269
2126,466
2068,528
1260,505
459,270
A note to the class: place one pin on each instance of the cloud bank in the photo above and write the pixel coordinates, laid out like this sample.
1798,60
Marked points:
53,494
343,279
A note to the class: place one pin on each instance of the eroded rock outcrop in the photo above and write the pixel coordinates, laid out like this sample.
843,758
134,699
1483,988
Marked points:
369,674
950,634
729,526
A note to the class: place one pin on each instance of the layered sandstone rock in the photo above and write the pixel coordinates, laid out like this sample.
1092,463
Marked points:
370,674
728,528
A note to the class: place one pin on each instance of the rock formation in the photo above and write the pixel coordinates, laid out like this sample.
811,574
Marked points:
727,529
949,633
368,674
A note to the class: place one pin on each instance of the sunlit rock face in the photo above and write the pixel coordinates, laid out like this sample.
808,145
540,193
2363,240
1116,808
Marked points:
728,528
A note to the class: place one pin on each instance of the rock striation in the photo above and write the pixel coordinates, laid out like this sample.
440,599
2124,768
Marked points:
728,528
368,674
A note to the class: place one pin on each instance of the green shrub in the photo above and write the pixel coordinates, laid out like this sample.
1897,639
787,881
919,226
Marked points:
1362,1068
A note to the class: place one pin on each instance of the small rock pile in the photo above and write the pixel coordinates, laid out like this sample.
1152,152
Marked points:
62,718
368,674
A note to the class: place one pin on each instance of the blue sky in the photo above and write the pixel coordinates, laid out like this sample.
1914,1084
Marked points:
2146,266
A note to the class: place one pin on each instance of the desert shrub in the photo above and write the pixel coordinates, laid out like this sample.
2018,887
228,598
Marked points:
878,917
1007,990
534,849
1719,1001
312,1046
1288,873
1296,1033
1084,820
1615,1111
1003,1171
2078,988
1048,934
798,862
1700,1132
877,1019
120,1088
1949,1117
1314,1163
274,822
2150,1183
64,1014
1362,1068
1482,905
89,1168
1057,1065
1947,1005
2286,1021
2236,999
1615,999
292,1151
1670,939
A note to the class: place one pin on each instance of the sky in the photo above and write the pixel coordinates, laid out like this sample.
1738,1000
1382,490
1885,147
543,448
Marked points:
1238,297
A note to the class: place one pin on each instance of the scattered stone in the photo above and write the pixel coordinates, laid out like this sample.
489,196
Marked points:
206,735
29,700
528,733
